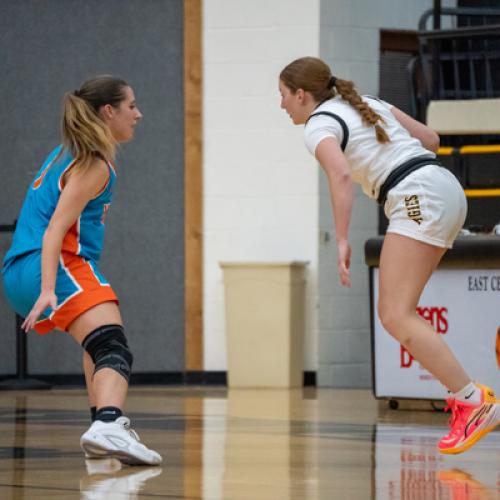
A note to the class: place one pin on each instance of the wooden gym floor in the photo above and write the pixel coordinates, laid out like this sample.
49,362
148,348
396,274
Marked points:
242,445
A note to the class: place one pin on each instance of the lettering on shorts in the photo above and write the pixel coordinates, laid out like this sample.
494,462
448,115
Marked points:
412,204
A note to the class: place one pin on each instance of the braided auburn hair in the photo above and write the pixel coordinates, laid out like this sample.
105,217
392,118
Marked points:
314,76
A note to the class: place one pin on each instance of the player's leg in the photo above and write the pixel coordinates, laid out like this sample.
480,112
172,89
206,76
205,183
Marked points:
108,386
405,267
99,330
88,369
88,303
88,310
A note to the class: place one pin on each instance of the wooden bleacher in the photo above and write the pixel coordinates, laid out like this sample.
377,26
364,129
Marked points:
476,166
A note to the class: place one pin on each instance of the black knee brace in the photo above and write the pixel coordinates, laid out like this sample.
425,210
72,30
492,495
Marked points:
108,348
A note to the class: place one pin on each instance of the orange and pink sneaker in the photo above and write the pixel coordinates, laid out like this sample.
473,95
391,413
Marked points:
469,422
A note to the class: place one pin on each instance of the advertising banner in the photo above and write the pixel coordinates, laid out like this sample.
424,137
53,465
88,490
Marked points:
462,305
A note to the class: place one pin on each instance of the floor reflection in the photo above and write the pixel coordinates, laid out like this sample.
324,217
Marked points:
462,485
218,444
107,479
408,466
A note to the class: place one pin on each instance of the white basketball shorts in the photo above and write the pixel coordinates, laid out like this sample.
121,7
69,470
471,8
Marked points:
428,205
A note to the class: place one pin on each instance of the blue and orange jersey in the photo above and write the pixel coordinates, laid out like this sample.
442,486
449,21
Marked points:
86,235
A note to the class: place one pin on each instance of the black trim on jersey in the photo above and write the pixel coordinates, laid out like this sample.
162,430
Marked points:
342,123
402,171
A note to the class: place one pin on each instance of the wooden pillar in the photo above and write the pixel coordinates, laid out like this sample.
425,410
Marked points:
193,186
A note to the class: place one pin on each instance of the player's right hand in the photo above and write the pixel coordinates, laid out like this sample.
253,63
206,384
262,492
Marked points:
344,262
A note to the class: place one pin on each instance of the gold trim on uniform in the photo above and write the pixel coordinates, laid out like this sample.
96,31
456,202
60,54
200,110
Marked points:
412,204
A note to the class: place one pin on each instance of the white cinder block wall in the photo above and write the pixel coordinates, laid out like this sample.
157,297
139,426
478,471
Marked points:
260,185
265,198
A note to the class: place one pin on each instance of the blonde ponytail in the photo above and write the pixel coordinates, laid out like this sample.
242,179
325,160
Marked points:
85,135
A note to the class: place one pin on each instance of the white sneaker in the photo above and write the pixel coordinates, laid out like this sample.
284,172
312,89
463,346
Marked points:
116,439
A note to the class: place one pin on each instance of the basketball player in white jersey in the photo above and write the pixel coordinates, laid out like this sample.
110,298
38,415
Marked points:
392,156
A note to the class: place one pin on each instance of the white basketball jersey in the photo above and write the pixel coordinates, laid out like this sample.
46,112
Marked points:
370,161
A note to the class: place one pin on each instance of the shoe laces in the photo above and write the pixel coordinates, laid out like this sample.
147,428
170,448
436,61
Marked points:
458,418
126,425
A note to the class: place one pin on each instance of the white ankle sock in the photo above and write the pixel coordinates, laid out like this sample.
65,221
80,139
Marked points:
469,394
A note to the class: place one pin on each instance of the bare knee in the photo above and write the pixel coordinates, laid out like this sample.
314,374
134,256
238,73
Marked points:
394,320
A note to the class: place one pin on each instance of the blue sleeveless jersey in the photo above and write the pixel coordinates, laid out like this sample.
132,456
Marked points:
85,237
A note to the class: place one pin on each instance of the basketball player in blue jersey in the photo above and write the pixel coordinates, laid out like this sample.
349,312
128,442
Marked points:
51,274
366,140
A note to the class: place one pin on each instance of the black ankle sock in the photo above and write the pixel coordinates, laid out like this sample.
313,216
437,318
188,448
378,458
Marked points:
108,413
93,411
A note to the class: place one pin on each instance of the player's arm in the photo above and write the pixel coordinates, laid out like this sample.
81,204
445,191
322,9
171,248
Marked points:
427,136
334,164
79,189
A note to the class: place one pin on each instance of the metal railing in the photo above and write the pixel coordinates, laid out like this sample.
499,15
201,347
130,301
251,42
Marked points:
21,381
458,62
